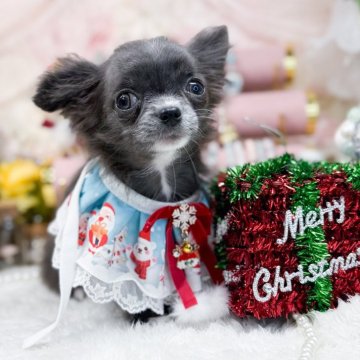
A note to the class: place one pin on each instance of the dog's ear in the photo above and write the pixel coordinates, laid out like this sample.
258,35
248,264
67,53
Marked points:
68,87
210,47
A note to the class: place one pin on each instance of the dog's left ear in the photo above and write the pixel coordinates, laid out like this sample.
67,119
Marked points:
210,47
71,87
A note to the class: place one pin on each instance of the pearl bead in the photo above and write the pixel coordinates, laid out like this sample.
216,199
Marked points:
308,347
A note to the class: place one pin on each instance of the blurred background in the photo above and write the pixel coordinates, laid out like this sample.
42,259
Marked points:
293,76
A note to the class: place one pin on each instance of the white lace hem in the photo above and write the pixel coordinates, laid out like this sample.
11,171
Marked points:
126,294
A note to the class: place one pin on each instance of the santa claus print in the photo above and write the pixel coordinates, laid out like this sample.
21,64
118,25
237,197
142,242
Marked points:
101,227
142,255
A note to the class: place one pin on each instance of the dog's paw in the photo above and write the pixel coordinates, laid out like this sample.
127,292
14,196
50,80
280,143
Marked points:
212,305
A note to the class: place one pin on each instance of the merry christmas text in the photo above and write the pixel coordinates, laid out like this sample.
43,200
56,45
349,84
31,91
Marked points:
284,283
297,223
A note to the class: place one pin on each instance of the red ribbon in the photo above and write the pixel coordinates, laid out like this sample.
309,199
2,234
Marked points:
200,231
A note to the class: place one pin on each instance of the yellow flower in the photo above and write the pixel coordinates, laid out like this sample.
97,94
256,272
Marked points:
18,178
25,203
49,196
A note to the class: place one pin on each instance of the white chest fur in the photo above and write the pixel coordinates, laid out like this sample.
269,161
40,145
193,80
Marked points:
161,163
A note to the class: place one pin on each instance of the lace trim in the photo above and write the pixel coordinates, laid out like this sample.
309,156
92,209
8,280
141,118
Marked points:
125,293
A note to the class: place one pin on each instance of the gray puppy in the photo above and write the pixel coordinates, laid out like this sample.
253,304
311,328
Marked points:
146,111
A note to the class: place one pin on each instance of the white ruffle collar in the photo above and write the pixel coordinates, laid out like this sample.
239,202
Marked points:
133,198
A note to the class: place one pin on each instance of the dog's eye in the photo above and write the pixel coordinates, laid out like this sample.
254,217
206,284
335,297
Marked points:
195,87
126,101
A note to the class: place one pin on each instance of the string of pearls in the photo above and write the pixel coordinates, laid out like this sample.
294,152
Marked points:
308,348
24,274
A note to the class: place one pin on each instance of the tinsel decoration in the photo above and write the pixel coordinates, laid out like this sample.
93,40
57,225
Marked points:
288,235
312,246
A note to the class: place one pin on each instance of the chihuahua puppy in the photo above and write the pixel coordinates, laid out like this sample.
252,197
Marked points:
146,112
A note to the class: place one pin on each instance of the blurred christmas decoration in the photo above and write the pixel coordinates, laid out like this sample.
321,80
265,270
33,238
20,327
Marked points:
347,136
28,185
29,47
41,138
291,112
288,235
9,249
27,202
263,68
257,118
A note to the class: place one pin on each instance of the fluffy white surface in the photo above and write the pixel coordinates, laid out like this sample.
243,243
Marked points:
91,331
212,305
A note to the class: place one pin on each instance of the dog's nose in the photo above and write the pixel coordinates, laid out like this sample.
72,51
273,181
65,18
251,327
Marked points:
170,116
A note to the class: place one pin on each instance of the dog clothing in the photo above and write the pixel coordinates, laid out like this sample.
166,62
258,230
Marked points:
121,246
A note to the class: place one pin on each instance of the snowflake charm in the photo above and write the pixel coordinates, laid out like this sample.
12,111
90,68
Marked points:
184,216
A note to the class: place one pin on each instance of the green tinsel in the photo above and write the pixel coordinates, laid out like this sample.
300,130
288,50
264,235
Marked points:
312,244
352,171
327,168
254,176
353,176
221,255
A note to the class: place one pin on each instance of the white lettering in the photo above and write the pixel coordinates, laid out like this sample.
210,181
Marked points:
262,277
265,273
295,224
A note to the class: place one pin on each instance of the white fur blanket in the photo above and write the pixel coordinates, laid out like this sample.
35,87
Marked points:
91,331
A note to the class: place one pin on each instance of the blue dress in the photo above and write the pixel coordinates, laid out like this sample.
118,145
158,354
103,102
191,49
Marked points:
112,262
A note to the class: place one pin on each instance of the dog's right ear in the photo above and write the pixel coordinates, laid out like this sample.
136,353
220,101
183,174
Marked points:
210,47
69,86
